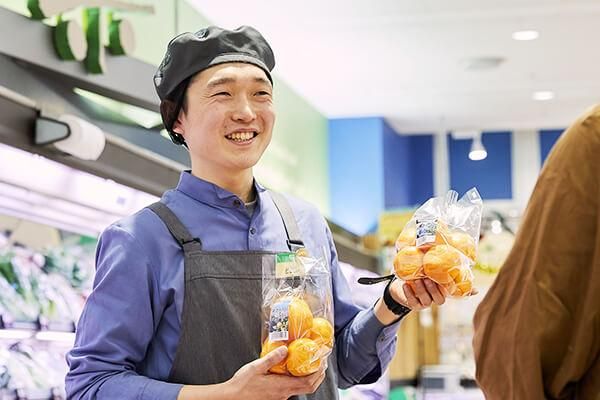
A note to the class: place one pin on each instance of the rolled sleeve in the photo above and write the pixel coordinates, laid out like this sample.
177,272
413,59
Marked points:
116,326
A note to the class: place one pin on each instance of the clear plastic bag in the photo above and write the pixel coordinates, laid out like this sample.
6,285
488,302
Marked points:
440,242
298,312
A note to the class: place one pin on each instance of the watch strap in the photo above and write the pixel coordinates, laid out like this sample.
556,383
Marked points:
399,309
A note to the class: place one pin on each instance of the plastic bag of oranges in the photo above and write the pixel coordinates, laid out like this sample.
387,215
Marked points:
298,312
440,242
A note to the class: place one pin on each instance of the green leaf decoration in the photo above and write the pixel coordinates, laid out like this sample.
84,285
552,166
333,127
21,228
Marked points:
94,62
35,10
114,38
61,40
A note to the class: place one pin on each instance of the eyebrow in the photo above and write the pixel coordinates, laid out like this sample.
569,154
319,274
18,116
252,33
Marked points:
226,80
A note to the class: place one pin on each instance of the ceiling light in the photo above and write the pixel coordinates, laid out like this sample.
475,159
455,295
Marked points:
525,35
478,151
543,95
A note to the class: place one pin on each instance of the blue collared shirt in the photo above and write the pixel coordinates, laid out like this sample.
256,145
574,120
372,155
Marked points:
129,330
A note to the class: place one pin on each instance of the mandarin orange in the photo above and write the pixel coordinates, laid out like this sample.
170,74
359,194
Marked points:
268,347
303,357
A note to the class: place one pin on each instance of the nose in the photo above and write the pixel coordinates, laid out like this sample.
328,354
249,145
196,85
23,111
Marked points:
243,111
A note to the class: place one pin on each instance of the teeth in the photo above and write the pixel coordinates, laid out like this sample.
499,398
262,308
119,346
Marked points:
241,136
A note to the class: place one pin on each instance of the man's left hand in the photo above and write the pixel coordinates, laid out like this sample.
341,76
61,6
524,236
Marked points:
418,294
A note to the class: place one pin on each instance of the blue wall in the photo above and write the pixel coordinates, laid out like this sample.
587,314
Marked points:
492,176
396,171
372,168
408,168
547,140
356,172
421,165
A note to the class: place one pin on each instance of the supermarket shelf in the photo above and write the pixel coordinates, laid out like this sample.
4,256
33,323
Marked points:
38,330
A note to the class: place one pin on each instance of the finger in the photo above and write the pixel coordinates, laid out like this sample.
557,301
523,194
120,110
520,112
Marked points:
270,360
422,294
318,382
411,298
309,380
442,289
432,288
313,381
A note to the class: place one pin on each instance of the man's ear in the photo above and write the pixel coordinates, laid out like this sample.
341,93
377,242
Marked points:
178,124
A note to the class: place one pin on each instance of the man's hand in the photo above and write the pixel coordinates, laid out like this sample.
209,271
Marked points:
253,380
418,294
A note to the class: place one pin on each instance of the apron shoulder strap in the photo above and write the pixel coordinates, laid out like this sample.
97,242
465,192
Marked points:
177,229
294,240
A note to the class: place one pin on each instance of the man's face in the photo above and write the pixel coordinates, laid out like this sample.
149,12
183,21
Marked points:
229,119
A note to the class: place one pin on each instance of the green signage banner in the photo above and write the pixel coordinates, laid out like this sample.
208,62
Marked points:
75,43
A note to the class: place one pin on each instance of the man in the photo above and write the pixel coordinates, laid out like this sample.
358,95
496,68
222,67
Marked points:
537,331
176,307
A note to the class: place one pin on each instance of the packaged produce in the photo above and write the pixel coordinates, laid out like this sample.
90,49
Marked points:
298,312
440,242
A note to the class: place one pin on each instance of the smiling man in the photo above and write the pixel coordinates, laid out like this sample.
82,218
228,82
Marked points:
176,307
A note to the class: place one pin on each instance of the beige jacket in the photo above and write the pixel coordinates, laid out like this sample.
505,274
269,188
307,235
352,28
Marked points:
537,331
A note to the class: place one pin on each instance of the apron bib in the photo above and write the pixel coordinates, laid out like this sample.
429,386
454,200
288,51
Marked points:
222,308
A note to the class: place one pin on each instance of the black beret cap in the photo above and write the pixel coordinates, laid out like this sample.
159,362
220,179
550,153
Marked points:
190,53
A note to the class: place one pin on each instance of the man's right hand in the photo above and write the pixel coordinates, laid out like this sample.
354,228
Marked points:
253,380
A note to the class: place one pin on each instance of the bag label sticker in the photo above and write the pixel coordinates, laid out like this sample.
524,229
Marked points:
288,265
279,321
426,230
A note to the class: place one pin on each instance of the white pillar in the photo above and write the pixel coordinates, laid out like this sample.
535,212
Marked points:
525,165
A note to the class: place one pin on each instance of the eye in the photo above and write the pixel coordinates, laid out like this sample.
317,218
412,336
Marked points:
263,93
221,94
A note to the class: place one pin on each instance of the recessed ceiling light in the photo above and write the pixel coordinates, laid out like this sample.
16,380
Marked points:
482,63
525,35
543,95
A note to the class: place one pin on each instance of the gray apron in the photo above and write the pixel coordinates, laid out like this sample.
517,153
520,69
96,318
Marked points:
221,317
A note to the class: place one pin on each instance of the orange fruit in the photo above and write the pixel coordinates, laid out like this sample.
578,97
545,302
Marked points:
406,238
462,281
408,263
300,318
268,347
303,357
462,289
321,332
439,261
464,243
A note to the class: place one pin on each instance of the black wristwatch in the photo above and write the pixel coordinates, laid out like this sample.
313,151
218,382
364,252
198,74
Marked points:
399,309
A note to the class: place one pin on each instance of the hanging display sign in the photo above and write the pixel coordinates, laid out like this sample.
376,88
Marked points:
84,43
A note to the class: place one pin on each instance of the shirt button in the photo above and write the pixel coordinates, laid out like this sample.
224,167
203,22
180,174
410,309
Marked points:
237,203
252,231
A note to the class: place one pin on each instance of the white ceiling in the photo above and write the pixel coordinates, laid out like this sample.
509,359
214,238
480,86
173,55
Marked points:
403,59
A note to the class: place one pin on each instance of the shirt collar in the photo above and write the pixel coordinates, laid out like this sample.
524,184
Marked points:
209,193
